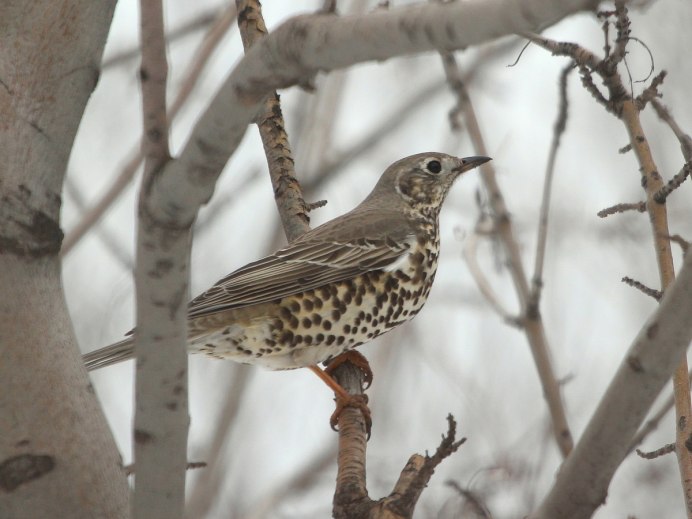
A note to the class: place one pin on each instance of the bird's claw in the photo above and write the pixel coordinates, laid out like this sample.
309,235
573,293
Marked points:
357,359
359,402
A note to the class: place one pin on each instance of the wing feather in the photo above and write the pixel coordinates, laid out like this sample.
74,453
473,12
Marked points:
303,265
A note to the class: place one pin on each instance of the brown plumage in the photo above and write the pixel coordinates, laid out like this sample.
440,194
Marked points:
334,288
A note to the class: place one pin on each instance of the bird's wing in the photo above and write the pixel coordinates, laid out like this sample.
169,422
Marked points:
306,264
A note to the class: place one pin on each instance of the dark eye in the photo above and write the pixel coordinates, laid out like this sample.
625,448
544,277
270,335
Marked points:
434,166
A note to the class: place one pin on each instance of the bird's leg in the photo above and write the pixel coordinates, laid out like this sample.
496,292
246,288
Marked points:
357,359
344,399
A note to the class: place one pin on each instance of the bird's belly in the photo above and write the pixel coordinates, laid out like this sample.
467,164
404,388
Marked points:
317,325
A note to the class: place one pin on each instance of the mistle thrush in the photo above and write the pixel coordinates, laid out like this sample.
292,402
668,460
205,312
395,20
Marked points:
334,288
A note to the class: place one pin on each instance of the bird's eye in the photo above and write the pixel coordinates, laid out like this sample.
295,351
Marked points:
434,166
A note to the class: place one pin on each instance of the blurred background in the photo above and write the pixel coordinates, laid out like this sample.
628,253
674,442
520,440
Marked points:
265,435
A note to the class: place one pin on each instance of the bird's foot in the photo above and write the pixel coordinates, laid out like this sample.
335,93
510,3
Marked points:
357,359
345,400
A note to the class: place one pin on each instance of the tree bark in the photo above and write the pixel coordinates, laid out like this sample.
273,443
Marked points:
56,449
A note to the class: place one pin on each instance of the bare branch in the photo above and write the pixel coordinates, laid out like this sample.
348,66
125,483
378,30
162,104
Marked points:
531,319
558,130
621,208
656,294
627,109
470,252
666,449
642,374
674,183
685,140
287,191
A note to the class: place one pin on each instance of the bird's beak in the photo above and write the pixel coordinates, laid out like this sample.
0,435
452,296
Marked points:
468,163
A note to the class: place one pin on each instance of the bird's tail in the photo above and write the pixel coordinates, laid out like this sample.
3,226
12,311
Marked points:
112,354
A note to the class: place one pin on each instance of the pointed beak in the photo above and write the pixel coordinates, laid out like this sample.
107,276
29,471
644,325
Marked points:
468,163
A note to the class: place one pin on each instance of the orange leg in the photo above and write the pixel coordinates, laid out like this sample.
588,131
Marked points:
344,399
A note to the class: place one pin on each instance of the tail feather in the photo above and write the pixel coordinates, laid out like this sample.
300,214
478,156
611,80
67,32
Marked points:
118,352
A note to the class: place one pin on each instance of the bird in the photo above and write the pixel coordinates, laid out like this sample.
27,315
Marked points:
334,288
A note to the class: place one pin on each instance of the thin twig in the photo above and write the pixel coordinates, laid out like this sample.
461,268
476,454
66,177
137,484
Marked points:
684,138
652,292
650,455
682,242
118,252
674,183
652,423
477,505
621,208
558,130
470,252
191,26
533,323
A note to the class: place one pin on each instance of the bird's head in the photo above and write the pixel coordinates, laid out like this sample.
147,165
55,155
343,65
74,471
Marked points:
422,181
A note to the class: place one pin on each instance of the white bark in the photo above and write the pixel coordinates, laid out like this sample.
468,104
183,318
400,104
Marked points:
582,483
57,455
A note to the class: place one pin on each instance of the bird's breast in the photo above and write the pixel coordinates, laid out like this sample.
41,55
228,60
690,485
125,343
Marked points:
316,325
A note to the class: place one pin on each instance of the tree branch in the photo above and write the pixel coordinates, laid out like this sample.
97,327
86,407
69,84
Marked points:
583,479
161,274
529,316
219,28
287,191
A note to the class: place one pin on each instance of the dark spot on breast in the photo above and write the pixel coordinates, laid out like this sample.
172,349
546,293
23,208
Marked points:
316,319
340,340
358,300
403,276
293,323
330,339
308,305
347,328
307,323
294,306
286,337
307,339
327,325
319,337
336,315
